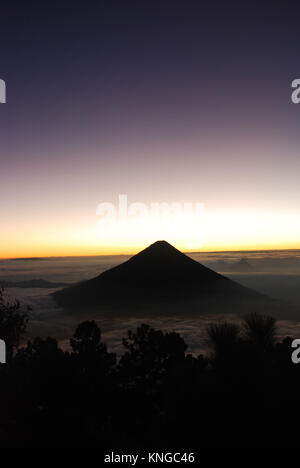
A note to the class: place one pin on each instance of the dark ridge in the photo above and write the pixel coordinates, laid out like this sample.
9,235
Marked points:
26,259
34,283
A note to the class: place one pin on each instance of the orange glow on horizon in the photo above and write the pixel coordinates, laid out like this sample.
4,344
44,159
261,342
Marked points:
219,231
91,251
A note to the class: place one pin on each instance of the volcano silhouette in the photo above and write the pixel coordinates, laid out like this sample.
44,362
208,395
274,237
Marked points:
162,279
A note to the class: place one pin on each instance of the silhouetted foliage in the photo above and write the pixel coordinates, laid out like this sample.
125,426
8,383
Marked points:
223,337
260,330
13,322
244,395
88,348
86,338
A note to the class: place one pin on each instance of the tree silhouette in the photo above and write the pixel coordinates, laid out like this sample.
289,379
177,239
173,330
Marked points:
224,338
13,322
260,331
150,354
86,338
157,394
88,348
40,350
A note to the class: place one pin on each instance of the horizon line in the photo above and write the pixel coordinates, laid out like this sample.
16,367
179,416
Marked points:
131,255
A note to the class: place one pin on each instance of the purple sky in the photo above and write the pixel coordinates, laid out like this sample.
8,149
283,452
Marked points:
178,102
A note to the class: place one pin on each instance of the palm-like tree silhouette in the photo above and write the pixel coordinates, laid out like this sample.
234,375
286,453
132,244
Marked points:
224,338
260,331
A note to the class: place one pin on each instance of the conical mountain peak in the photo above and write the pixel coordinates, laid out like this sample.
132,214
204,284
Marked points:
159,279
159,270
161,247
161,244
161,251
159,263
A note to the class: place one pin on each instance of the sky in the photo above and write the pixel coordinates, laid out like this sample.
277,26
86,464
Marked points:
174,102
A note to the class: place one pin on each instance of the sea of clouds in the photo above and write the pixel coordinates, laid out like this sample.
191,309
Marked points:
274,273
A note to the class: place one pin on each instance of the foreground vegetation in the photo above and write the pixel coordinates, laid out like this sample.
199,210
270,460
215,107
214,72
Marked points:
245,393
